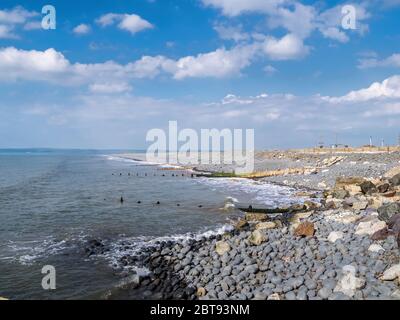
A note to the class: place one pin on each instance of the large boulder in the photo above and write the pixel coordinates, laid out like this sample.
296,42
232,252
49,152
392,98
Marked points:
342,182
387,211
370,227
241,224
340,194
353,189
310,205
392,273
349,283
222,247
360,205
395,180
305,229
257,237
394,226
394,223
392,172
367,187
266,225
383,187
255,217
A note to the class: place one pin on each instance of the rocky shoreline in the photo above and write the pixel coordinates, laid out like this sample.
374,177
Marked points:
343,245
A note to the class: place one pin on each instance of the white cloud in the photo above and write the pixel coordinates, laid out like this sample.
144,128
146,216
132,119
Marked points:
82,29
7,32
10,19
237,7
388,88
109,88
51,65
299,21
270,70
335,34
287,48
128,22
17,15
391,61
329,22
295,17
21,64
33,25
219,63
390,109
234,33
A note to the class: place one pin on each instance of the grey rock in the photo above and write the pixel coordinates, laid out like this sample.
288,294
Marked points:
325,292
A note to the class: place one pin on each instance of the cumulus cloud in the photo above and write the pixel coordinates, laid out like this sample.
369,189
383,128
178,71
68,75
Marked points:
10,19
391,61
234,33
335,34
387,89
299,21
33,25
51,65
270,70
295,17
110,87
128,22
17,15
280,120
82,29
237,7
7,32
287,48
219,63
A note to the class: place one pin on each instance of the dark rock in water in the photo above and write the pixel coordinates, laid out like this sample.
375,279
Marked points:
94,247
387,211
395,181
367,187
95,243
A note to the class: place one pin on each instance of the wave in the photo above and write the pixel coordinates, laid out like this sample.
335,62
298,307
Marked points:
134,247
143,162
262,192
28,252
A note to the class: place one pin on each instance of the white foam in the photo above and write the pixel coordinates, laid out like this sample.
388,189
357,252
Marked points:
136,245
28,252
262,192
143,162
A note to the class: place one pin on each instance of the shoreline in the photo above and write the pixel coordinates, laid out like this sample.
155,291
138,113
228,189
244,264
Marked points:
343,248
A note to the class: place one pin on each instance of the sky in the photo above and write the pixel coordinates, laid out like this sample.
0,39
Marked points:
294,71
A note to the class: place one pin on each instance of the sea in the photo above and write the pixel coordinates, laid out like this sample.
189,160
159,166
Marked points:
54,202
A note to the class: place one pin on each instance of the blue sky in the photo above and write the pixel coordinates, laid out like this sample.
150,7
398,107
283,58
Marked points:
112,70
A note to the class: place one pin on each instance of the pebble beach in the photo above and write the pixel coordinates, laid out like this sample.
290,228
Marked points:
342,245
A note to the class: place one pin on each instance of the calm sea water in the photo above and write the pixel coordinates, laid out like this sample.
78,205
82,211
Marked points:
53,201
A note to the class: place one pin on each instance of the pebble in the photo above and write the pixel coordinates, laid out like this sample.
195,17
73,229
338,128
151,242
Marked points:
282,267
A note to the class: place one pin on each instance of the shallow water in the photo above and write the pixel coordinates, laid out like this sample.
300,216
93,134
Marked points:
53,202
